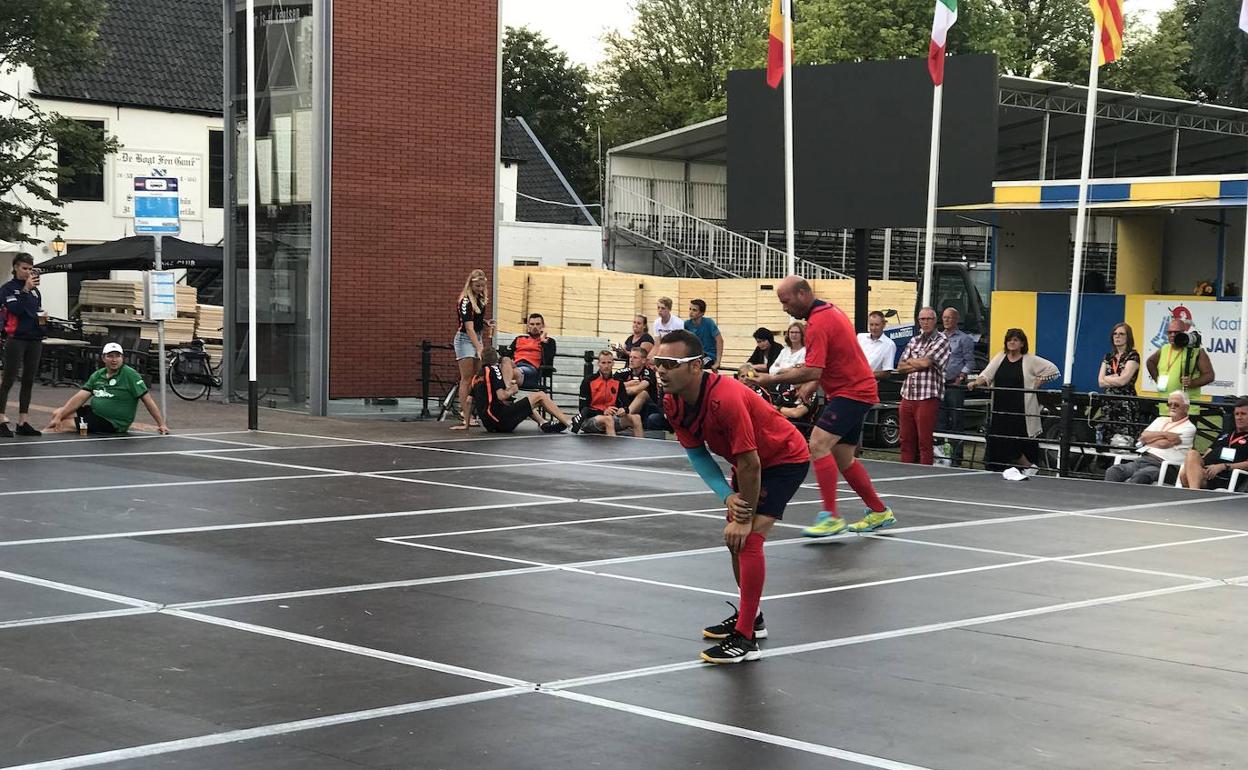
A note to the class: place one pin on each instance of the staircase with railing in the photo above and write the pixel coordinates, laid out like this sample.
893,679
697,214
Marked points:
693,247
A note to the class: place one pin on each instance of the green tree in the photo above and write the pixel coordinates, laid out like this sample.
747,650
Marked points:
1153,60
50,37
553,96
1219,61
671,69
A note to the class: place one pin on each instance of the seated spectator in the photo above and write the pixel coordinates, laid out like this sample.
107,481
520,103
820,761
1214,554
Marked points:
766,349
665,322
523,360
599,392
500,412
1227,454
795,403
793,354
748,374
114,392
1168,438
880,351
640,393
640,338
705,329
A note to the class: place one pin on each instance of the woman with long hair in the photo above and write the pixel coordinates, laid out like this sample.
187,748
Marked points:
470,339
794,353
1015,420
1117,377
765,349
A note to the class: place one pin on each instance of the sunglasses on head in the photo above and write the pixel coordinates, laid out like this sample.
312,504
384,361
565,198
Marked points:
668,362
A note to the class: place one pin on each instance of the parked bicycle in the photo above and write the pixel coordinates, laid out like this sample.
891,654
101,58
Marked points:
189,372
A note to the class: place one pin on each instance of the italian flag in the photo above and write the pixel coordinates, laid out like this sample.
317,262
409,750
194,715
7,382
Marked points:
775,46
946,14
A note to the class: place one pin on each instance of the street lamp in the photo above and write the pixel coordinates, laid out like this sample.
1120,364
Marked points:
58,245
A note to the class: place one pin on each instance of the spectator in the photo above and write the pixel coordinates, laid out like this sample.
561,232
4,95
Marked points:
793,354
880,351
500,412
1117,376
1167,439
1179,365
470,339
957,370
599,392
1229,453
666,322
796,404
1015,419
640,393
23,326
528,353
766,349
114,392
923,362
707,332
640,338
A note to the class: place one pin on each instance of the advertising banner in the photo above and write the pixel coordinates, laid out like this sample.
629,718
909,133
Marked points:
1217,323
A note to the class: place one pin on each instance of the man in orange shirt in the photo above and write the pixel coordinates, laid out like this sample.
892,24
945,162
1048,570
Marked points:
527,355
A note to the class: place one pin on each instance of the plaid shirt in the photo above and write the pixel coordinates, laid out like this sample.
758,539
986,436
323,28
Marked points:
930,382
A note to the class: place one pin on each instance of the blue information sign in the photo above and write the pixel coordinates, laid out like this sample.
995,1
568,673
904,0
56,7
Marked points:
156,205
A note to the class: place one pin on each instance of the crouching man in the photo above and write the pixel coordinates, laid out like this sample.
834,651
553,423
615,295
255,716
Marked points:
114,392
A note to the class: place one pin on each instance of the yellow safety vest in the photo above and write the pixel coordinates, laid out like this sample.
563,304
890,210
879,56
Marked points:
1172,366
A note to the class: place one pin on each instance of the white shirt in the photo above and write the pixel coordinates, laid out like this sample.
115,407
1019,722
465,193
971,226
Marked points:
880,353
788,359
1175,454
658,328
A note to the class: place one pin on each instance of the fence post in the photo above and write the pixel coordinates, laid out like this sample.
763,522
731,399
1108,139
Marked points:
1068,408
426,364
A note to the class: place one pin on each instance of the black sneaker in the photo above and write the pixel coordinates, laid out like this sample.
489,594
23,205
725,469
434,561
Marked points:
725,629
577,420
553,427
5,431
25,429
735,649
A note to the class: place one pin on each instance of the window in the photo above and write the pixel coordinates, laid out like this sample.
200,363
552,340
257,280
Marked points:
83,185
526,262
216,169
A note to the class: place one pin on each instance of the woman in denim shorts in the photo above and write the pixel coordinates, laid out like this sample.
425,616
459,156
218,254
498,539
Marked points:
470,338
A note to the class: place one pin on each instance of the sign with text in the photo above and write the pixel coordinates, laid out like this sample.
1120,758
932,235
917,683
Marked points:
160,295
156,205
1218,326
188,168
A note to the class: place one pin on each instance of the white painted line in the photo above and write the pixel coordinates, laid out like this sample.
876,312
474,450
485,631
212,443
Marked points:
74,617
66,587
265,524
460,552
1159,523
272,464
906,579
267,731
923,476
157,453
1143,506
539,525
1137,570
354,649
975,503
63,490
1093,554
647,581
385,475
738,732
127,437
226,441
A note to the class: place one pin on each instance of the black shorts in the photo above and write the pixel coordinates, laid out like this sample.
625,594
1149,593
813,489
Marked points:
844,417
95,423
508,417
1221,481
779,484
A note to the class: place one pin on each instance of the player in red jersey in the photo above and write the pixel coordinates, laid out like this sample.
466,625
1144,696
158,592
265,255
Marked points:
834,358
769,458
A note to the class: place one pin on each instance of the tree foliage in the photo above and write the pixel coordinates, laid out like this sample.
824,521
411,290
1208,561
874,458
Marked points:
50,37
553,96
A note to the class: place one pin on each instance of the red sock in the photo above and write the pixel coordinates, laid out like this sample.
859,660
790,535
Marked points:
753,568
857,477
825,474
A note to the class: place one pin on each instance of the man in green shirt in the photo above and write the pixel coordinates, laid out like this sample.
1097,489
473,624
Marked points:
114,392
1177,367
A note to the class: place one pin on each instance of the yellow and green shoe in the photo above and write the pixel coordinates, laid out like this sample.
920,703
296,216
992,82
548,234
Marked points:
874,520
825,525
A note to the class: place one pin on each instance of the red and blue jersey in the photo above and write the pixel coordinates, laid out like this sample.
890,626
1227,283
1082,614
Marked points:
730,419
832,346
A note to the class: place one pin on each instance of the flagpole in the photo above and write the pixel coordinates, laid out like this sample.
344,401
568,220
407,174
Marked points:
1081,216
933,174
253,201
1241,388
790,263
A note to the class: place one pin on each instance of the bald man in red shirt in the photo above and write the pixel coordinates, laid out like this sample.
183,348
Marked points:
769,458
836,361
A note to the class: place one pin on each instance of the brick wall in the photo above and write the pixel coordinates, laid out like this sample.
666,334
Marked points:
412,185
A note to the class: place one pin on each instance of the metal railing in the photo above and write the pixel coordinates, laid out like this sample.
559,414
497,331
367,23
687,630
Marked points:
728,253
705,200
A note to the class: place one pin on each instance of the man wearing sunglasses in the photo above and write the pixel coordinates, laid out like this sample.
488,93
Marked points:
834,359
769,458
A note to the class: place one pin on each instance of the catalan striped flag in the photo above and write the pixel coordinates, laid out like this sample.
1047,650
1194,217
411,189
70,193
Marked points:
1108,14
776,65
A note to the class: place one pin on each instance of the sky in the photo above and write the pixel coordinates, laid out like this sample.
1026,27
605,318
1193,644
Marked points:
573,25
576,25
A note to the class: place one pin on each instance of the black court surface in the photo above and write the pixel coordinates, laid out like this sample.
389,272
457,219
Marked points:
265,600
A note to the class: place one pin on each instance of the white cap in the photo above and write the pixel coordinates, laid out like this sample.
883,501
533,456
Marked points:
112,347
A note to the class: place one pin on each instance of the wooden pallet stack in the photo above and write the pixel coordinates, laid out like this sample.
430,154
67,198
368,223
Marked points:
736,315
618,295
895,295
705,289
209,325
652,288
99,297
545,296
580,304
512,299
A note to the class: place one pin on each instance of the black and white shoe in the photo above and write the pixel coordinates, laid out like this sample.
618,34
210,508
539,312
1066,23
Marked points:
577,420
553,427
735,649
724,629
